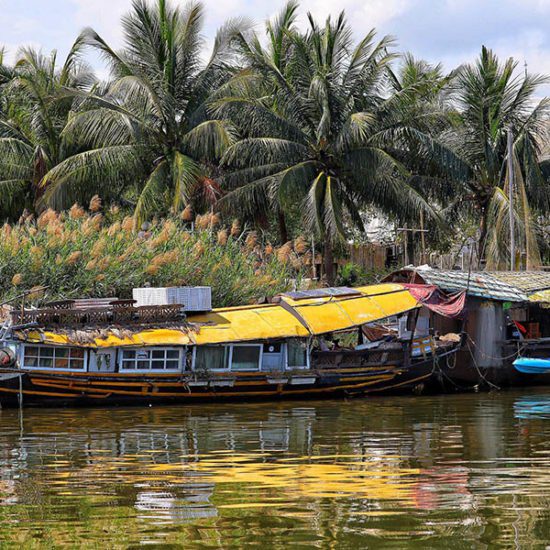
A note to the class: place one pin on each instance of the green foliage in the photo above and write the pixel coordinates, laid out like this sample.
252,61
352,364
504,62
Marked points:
492,97
33,112
297,130
79,255
351,275
150,122
319,127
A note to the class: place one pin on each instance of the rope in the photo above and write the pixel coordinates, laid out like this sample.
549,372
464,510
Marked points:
487,356
448,360
480,374
444,375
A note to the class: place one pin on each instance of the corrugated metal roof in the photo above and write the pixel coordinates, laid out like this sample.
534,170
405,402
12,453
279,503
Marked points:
528,281
478,283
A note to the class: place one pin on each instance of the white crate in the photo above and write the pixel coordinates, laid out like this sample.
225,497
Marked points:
193,298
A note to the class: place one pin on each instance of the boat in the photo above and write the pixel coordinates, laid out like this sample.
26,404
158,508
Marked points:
532,365
305,344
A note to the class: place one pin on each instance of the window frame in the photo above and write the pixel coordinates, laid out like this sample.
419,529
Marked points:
182,352
24,356
299,367
222,346
229,357
261,346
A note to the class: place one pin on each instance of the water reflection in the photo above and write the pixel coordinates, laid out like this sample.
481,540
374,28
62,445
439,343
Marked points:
458,471
535,406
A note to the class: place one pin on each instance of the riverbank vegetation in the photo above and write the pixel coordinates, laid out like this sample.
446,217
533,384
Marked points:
78,254
293,129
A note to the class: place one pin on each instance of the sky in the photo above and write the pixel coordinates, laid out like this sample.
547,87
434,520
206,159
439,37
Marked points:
447,31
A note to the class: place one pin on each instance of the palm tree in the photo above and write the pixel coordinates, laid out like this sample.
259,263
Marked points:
492,98
323,131
498,248
6,72
151,119
32,119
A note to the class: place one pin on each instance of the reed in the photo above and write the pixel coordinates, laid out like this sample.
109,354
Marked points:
79,254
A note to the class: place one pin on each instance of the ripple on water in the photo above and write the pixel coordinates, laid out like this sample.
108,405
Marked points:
461,471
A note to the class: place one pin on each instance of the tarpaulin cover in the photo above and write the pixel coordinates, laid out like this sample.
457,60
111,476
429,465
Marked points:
542,298
451,305
289,319
372,303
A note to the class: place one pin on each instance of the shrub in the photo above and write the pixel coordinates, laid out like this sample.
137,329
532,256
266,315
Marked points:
351,274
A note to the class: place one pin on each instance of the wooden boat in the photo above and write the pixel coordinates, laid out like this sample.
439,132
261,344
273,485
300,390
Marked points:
117,353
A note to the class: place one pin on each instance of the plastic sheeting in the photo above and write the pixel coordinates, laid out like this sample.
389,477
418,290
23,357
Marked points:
448,306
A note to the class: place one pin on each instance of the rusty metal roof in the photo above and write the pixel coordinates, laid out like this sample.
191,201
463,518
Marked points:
493,286
528,281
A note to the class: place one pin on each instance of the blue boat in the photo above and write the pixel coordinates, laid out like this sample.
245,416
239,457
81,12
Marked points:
532,365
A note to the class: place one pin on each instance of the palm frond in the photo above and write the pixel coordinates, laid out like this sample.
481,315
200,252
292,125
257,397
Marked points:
85,174
313,205
152,196
210,139
185,174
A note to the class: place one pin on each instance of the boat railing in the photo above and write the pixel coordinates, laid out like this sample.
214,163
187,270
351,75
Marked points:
115,313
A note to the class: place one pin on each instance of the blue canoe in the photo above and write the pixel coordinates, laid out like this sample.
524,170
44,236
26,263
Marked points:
532,365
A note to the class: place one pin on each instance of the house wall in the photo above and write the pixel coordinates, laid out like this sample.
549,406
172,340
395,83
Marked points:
486,327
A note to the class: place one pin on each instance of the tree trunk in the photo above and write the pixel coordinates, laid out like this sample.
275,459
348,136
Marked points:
482,243
283,230
328,259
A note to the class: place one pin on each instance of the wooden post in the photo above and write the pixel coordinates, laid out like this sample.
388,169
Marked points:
422,238
511,199
313,266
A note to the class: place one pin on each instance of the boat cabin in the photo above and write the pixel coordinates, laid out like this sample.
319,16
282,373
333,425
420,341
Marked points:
236,357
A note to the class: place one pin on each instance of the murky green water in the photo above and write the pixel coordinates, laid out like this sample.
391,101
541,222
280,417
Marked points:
465,471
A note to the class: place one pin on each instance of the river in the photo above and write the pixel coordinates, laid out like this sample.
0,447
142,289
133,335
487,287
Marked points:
452,471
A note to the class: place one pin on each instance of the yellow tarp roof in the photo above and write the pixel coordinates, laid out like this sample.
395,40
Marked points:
542,297
241,324
290,319
329,314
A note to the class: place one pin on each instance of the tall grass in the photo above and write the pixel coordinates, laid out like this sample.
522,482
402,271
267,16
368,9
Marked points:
79,254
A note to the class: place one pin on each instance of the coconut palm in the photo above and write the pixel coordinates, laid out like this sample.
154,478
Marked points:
525,234
323,131
151,119
493,97
6,72
32,119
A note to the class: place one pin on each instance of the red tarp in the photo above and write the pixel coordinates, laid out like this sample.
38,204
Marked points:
431,297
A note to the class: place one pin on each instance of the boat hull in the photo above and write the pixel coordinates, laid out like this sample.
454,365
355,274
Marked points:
532,365
41,388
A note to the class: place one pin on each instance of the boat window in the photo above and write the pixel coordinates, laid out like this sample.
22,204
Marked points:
273,347
211,357
151,359
246,358
50,357
297,354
